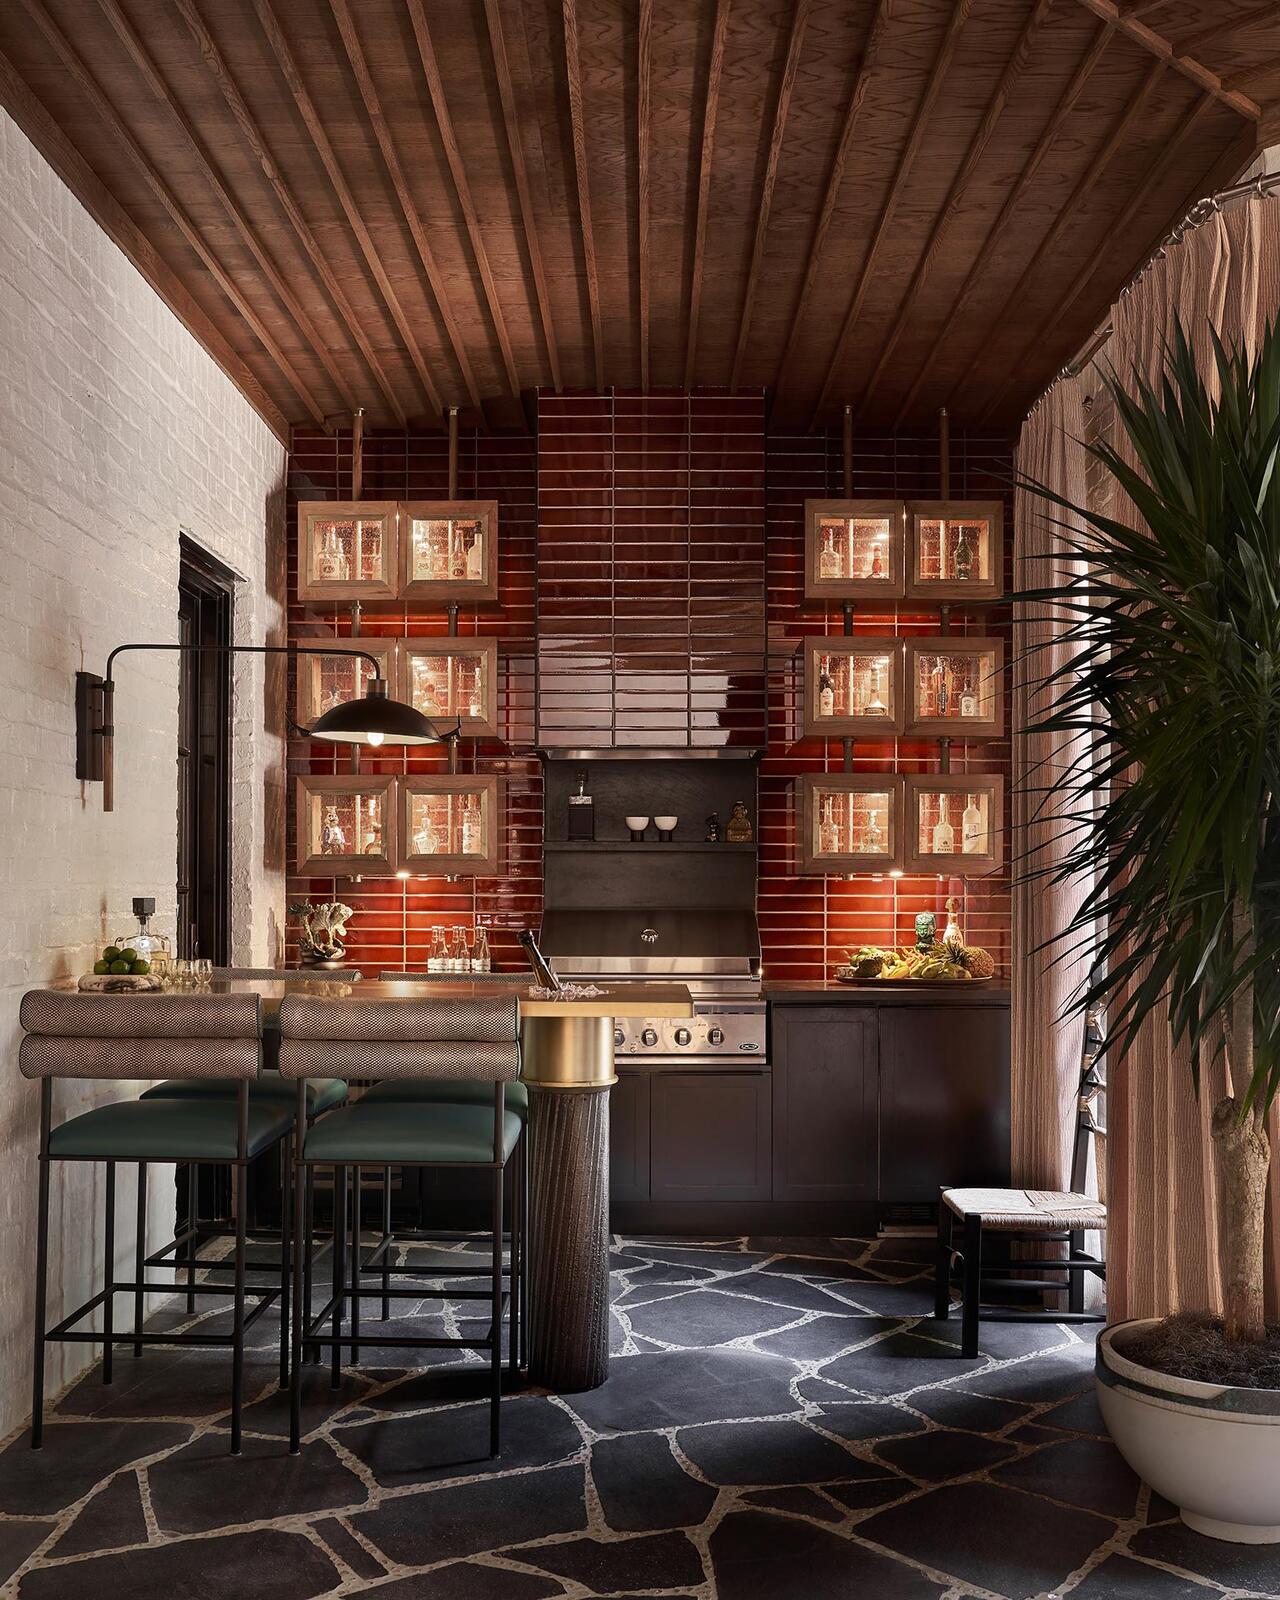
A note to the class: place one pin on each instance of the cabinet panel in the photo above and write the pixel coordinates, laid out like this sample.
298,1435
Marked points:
629,1137
824,1103
710,1136
944,1099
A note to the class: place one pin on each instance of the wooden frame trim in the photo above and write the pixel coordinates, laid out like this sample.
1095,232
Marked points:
384,649
868,590
573,75
852,726
992,588
644,76
452,645
310,785
474,591
1157,45
710,107
957,864
489,787
967,729
326,591
809,789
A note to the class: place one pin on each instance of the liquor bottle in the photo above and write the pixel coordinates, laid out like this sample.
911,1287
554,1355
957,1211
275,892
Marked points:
457,553
582,811
826,696
541,966
951,934
874,844
875,706
944,835
475,558
829,559
438,958
333,838
460,955
973,833
471,828
828,832
965,552
942,697
153,948
968,699
480,958
877,561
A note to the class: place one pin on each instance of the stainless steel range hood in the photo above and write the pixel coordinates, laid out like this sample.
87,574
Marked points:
699,942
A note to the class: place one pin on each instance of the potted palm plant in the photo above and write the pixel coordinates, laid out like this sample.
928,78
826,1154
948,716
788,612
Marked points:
1172,821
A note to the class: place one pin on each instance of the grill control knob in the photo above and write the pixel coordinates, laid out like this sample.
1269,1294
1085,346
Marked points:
649,1036
683,1036
619,1036
715,1036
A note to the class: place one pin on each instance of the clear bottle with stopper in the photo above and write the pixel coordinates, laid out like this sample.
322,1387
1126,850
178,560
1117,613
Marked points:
481,960
944,835
460,956
153,948
438,958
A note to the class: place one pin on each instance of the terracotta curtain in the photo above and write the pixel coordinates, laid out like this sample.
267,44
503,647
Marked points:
1161,1188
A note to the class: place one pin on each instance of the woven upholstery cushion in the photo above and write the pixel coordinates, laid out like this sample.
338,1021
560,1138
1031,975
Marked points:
492,1020
449,1091
388,1131
141,1016
1017,1209
400,1058
43,1056
270,1089
167,1130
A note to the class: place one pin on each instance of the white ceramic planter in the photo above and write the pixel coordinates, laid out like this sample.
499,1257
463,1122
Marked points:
1213,1451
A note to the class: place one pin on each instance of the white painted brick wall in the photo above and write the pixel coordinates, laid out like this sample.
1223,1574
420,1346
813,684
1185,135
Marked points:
116,430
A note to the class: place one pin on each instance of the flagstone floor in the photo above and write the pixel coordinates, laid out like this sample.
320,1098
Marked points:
783,1418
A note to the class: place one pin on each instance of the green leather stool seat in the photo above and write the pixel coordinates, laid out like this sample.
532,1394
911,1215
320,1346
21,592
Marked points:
448,1092
387,1131
168,1130
269,1089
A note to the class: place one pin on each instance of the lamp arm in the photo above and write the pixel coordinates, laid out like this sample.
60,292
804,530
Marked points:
247,649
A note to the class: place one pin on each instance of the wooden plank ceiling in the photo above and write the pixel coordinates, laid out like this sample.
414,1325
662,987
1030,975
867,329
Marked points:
413,204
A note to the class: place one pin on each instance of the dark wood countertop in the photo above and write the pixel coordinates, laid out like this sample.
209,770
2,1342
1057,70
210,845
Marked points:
829,992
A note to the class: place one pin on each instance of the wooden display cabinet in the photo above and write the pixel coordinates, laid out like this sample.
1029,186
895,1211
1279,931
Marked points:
346,826
854,550
853,687
348,550
339,674
955,687
955,823
849,822
448,678
450,825
449,551
956,550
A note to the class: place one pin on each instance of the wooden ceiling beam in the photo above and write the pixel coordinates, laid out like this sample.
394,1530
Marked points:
288,68
462,188
235,102
573,74
863,74
382,133
644,71
1013,70
1064,219
1157,45
524,192
73,170
915,137
143,60
976,274
1172,151
89,90
710,108
782,105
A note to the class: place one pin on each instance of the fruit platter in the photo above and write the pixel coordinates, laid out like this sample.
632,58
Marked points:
948,962
120,971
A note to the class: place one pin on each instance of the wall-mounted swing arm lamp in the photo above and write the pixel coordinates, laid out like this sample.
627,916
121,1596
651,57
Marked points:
373,720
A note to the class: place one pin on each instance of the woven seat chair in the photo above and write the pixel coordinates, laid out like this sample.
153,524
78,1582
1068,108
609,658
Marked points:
127,1037
405,1042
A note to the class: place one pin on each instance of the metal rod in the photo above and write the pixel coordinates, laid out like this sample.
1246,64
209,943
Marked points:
848,452
109,1264
944,452
357,453
140,1248
453,453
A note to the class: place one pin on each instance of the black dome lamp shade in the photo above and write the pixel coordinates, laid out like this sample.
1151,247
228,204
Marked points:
374,720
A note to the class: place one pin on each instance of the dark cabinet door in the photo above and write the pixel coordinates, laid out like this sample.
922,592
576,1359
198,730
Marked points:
944,1099
710,1136
629,1137
824,1103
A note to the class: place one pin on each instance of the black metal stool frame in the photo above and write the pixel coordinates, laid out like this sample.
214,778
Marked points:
309,1327
66,1330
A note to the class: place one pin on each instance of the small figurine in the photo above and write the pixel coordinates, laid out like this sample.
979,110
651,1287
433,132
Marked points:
926,931
738,828
323,931
713,828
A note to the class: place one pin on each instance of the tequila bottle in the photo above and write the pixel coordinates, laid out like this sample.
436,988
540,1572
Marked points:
966,550
829,559
968,699
471,845
828,832
826,696
973,833
944,835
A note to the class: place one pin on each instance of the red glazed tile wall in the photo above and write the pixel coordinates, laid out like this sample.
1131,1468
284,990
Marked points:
651,594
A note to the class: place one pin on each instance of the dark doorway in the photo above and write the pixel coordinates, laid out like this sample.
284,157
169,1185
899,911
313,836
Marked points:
205,590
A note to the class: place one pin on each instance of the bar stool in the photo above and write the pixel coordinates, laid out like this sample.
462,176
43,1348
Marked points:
475,1041
121,1037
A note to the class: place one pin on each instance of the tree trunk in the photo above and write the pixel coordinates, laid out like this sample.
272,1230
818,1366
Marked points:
1244,1155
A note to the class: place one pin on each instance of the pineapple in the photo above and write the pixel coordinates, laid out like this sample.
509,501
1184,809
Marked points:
979,962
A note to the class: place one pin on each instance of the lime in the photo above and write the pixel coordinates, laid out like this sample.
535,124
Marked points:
102,966
129,954
119,967
111,953
140,968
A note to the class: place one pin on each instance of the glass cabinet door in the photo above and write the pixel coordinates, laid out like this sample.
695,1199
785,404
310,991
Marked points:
957,687
849,822
347,550
955,823
957,550
449,678
340,674
450,825
853,687
346,825
854,550
450,550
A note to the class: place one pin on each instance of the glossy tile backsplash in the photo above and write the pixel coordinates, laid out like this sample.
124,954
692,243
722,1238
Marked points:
650,594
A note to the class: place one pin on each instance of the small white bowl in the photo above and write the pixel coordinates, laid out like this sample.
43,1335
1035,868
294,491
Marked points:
666,824
636,824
